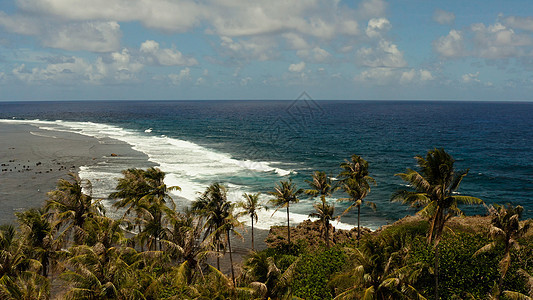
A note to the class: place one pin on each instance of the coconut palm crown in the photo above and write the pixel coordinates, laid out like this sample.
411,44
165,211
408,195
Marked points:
284,194
356,181
435,190
322,185
251,206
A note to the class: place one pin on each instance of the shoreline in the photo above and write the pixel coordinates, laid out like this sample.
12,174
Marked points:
33,160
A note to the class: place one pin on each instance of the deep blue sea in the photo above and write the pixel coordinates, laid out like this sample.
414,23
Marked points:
252,145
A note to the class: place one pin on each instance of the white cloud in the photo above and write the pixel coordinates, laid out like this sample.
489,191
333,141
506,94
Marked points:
89,36
451,45
258,48
415,76
184,74
495,41
425,75
165,57
385,55
95,36
525,23
408,76
252,29
245,81
296,41
372,8
116,67
178,16
316,55
299,67
499,41
378,76
376,26
443,17
471,77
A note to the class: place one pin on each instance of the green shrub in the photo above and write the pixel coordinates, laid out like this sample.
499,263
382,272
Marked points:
459,272
313,272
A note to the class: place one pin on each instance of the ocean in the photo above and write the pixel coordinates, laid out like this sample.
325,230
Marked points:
251,145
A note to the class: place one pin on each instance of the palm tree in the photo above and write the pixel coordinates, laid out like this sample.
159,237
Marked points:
284,194
435,188
183,243
251,205
321,185
100,273
71,207
355,182
145,193
266,279
505,230
39,235
229,225
214,206
12,257
379,272
25,286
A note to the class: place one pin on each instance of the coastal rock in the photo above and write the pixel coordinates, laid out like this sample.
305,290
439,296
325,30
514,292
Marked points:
311,232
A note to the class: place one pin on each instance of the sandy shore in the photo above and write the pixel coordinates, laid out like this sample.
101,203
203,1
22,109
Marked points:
33,160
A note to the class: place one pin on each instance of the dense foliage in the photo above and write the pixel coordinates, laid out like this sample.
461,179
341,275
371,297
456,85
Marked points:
69,249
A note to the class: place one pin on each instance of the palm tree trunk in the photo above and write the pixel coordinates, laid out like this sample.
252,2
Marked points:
437,271
253,234
231,259
44,263
327,234
288,226
218,257
358,224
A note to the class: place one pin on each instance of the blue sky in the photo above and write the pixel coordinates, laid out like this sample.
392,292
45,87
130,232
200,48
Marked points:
276,49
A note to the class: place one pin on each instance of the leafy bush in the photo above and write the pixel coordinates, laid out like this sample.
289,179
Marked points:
460,274
313,272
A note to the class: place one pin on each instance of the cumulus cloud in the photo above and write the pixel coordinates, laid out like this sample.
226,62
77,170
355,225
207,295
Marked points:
499,41
415,76
115,67
95,36
165,57
392,76
89,36
451,45
316,55
258,48
296,21
385,55
443,17
299,67
379,76
177,16
425,75
471,77
525,23
376,26
372,8
184,74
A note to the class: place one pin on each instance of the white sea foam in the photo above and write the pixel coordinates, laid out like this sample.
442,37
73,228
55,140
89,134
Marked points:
187,165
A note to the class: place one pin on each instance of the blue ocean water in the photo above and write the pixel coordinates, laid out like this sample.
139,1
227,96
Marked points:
252,145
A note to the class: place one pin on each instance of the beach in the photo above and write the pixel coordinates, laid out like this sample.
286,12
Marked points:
33,160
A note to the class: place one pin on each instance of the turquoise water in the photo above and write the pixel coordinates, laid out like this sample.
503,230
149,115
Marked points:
251,145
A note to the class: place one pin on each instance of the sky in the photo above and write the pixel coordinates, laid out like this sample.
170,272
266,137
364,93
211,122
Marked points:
269,49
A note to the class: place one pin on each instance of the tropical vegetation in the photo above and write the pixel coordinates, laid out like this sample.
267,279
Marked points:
70,248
